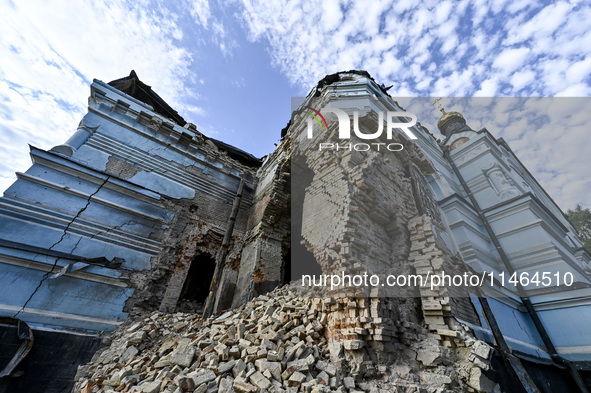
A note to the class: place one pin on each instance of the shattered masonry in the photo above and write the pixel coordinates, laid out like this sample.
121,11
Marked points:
277,342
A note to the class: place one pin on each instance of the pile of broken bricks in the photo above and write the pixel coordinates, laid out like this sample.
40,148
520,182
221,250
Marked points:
269,344
274,343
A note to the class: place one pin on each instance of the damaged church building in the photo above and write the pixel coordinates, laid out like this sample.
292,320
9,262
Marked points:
139,212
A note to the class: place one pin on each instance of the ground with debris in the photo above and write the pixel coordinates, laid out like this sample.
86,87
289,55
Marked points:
276,343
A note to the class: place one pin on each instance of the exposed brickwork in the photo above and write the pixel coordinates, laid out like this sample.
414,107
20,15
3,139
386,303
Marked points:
441,304
267,237
198,227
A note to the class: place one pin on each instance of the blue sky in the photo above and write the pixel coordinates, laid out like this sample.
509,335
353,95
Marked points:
232,67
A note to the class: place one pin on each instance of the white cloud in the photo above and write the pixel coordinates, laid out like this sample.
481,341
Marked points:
544,23
331,15
503,37
579,71
442,11
521,79
578,90
200,11
488,88
511,59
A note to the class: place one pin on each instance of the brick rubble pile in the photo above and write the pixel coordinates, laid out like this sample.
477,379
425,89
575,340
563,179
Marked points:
275,343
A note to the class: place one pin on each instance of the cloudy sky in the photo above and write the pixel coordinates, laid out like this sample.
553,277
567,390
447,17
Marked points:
231,67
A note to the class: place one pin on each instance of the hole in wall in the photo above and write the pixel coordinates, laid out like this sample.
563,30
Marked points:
196,286
286,275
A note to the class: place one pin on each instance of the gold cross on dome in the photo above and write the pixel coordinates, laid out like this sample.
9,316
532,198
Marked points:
439,105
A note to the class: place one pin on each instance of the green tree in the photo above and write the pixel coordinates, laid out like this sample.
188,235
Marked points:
581,220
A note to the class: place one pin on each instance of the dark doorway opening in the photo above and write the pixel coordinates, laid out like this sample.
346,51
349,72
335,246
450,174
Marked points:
196,287
286,267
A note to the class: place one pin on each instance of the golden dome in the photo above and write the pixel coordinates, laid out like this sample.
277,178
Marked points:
447,117
451,121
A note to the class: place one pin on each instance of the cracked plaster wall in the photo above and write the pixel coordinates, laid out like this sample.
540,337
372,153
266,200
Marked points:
129,184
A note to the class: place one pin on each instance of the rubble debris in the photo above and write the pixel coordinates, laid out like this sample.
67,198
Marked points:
279,342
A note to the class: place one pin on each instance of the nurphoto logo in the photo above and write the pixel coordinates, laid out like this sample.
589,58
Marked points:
393,120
